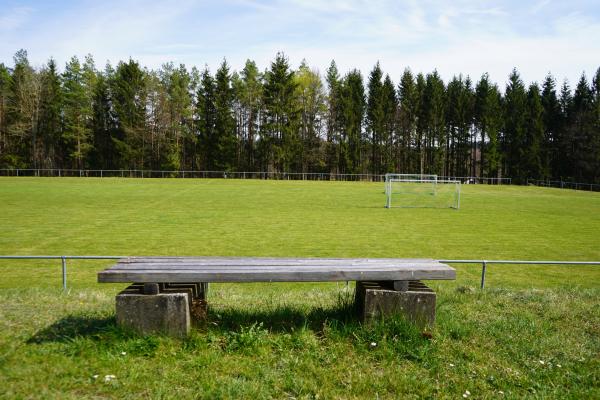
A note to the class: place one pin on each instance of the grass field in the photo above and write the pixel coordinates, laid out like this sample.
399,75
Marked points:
535,332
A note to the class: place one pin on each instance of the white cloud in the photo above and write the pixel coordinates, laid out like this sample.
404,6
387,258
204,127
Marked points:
465,36
14,18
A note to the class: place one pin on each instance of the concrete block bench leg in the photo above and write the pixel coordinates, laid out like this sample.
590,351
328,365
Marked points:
412,299
162,308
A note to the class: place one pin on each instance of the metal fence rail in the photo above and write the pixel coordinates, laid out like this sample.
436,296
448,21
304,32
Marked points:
63,261
593,187
305,176
484,263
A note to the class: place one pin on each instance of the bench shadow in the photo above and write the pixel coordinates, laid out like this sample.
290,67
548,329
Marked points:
70,327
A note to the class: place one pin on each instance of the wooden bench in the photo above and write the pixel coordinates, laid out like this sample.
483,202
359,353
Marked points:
168,293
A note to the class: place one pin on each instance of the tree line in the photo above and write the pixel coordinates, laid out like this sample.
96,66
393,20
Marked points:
294,120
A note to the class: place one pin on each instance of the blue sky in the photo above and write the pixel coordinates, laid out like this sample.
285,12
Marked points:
471,37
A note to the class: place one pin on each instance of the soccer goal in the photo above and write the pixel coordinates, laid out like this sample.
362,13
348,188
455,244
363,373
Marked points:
408,177
427,191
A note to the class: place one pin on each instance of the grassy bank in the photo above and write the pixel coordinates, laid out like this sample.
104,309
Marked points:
534,333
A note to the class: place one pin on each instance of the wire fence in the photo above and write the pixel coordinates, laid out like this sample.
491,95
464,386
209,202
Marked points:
593,187
305,176
483,263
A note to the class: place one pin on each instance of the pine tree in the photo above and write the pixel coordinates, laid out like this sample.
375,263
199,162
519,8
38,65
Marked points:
552,128
50,120
434,124
103,153
515,106
582,132
407,115
375,118
390,116
250,97
564,165
334,118
129,95
279,139
224,120
206,115
488,123
77,113
534,135
595,130
422,122
353,143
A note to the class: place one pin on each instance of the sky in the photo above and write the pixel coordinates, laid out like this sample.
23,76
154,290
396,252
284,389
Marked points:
452,37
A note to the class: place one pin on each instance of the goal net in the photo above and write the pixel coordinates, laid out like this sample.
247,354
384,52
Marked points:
422,193
408,177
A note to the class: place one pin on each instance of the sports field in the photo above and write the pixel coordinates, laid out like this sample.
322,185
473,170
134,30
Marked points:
534,332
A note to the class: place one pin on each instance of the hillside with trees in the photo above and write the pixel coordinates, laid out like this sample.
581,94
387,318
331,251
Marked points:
284,119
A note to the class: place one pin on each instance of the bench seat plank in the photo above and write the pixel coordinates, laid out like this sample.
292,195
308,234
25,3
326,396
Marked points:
240,269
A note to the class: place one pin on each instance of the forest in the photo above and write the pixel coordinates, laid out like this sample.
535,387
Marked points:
282,119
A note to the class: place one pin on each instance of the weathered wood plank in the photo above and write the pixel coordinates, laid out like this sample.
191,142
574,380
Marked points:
273,267
268,260
240,269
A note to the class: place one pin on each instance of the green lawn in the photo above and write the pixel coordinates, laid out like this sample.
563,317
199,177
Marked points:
534,332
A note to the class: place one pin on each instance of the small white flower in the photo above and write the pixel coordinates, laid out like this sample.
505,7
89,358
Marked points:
108,378
373,344
123,353
452,365
559,366
467,393
95,376
541,362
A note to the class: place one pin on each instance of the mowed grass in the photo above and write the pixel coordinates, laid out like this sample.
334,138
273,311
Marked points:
535,332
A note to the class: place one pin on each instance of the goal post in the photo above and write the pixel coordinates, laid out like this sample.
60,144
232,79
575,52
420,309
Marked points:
428,192
416,177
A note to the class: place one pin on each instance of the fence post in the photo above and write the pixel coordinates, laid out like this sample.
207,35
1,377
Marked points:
64,272
483,266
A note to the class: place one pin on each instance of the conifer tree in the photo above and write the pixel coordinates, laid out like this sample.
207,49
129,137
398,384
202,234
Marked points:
103,151
488,123
390,115
129,96
224,120
250,97
334,120
50,120
534,134
582,132
595,130
206,115
279,139
564,166
552,128
375,118
515,106
422,122
407,118
435,130
353,143
77,113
